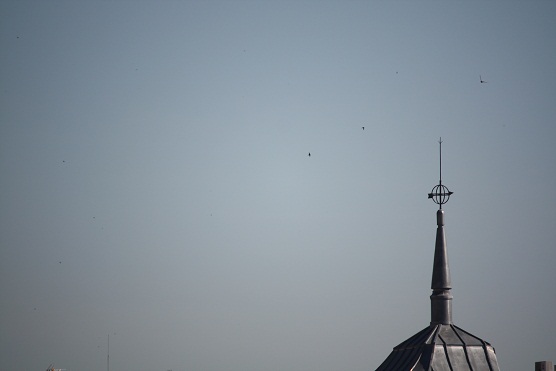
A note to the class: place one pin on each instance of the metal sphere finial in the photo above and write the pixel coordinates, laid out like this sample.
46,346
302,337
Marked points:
440,194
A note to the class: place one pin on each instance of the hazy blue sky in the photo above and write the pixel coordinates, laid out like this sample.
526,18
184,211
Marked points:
155,183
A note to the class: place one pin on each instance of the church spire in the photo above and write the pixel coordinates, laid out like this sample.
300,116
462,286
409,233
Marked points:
441,298
441,346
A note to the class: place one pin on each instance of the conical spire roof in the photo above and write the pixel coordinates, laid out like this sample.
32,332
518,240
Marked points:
441,298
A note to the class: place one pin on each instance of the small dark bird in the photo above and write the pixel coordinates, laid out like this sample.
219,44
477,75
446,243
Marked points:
309,154
60,262
481,79
362,127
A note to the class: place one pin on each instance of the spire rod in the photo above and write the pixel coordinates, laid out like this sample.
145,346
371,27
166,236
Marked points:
440,194
440,145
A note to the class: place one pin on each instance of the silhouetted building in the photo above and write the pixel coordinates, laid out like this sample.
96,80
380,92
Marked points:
544,366
441,346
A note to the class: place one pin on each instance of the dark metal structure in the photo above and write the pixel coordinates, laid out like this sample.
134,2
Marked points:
441,346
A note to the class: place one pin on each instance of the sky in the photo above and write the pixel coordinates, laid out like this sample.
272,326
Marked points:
156,187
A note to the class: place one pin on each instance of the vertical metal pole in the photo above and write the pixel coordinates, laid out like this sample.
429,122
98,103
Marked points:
440,141
440,180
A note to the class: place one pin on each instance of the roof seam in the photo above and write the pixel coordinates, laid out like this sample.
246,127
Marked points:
447,357
464,347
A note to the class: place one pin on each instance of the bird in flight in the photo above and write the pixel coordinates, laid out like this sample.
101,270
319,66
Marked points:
362,127
309,154
481,79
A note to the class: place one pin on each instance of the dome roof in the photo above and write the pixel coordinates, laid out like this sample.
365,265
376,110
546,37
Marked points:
442,347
